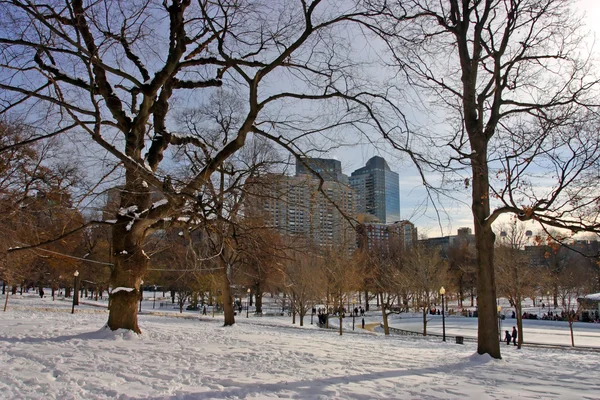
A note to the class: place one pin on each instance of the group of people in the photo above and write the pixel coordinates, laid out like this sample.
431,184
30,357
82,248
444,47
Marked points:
514,336
358,311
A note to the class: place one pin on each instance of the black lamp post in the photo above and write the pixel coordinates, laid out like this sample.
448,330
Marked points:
248,305
141,295
75,292
500,323
154,301
312,314
442,293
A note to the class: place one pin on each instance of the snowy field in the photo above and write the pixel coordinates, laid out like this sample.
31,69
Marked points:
48,353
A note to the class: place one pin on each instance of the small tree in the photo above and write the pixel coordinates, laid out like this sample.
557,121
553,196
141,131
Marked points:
515,275
426,273
304,280
341,278
571,288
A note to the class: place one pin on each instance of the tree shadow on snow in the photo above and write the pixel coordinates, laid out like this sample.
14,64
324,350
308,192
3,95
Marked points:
305,389
103,333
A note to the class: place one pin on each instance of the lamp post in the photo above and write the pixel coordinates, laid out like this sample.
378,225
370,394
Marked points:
75,292
499,323
548,299
154,301
312,313
442,293
248,305
141,295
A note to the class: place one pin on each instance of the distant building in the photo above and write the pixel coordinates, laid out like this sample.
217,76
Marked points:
378,190
402,234
463,235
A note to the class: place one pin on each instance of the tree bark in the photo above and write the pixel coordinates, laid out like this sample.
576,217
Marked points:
6,300
386,326
519,316
127,273
259,297
228,312
571,329
487,334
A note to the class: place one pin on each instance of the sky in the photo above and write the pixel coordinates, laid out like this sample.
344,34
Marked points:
414,205
48,353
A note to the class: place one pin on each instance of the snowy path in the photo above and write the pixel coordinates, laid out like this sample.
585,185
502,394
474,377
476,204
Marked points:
52,354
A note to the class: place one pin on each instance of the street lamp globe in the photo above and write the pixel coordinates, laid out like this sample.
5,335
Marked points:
75,292
442,293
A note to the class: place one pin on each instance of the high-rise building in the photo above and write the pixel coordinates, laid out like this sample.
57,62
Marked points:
294,206
378,190
327,168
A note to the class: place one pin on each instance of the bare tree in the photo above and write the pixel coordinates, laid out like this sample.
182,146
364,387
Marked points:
426,272
519,97
341,278
462,267
571,288
304,281
515,274
114,72
385,264
35,205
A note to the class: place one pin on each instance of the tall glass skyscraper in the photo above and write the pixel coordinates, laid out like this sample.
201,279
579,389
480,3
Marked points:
378,190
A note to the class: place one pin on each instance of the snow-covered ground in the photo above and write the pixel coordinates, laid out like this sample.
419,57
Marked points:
48,353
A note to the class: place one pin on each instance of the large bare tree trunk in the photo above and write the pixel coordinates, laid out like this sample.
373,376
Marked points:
259,297
487,333
129,260
228,311
127,274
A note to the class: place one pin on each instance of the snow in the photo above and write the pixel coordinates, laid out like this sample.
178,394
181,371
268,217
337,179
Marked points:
122,289
595,296
127,210
160,203
47,352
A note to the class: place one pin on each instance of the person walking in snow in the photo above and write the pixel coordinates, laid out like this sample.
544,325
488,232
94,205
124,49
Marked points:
515,335
507,337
